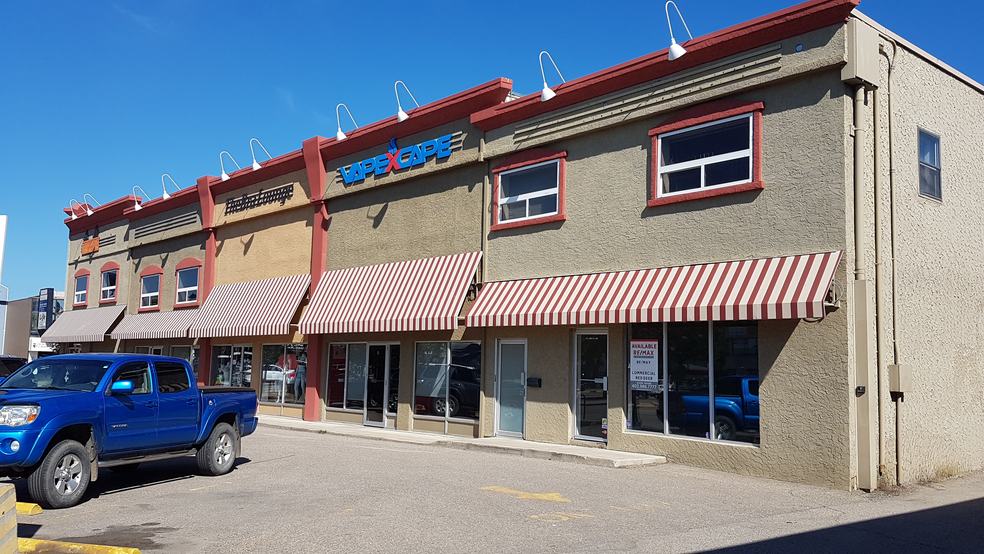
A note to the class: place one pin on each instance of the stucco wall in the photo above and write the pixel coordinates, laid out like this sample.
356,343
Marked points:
166,254
117,251
275,245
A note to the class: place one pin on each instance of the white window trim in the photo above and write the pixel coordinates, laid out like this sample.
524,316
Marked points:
555,191
939,158
102,290
81,293
177,294
150,294
702,162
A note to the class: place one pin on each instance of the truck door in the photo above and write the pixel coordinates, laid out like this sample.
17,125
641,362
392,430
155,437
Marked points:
752,404
177,419
131,419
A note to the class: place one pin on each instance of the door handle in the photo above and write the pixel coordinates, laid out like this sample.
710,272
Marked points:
152,404
192,402
604,383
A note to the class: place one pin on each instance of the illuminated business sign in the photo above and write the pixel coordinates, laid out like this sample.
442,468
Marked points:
397,158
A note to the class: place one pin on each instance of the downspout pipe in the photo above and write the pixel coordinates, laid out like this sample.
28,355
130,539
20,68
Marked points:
879,321
860,136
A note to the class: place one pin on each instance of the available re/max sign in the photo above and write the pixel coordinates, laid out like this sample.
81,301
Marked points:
401,158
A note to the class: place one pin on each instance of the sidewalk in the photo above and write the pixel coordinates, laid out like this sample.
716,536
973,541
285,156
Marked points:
519,447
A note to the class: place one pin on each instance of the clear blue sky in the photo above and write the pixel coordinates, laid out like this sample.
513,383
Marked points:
96,97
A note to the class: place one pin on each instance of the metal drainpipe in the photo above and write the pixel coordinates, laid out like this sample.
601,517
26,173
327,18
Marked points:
859,137
879,350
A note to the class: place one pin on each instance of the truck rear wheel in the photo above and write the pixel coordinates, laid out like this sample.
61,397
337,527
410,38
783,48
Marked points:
62,477
725,428
218,454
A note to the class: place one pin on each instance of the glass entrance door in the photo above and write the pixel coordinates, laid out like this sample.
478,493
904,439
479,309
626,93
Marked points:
511,420
382,383
591,394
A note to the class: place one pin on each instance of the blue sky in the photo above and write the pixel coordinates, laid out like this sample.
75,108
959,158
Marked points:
96,97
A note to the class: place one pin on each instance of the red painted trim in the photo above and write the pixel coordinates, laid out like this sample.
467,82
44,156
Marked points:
101,215
523,159
152,270
156,206
109,266
428,116
799,19
188,263
281,165
206,199
317,177
209,273
312,393
81,272
698,115
204,360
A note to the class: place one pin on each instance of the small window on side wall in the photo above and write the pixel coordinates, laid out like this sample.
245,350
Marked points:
709,150
529,189
930,182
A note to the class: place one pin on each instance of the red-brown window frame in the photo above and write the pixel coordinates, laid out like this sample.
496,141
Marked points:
147,272
110,266
699,115
519,161
188,263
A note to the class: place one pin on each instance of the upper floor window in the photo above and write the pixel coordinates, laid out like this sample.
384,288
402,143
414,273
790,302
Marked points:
711,150
529,189
81,288
150,291
929,166
187,286
108,288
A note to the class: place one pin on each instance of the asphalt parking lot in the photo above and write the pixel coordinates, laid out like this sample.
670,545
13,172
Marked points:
305,492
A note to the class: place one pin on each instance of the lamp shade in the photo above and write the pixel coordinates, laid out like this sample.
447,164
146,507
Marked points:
547,93
675,50
225,176
256,165
339,135
137,207
402,115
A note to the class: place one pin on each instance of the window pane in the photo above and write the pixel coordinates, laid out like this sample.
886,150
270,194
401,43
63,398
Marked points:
929,181
221,362
150,284
726,172
138,373
689,386
929,149
465,380
525,181
188,278
272,373
355,392
543,205
514,210
183,352
431,384
736,369
714,140
171,377
393,395
687,179
337,360
645,397
296,378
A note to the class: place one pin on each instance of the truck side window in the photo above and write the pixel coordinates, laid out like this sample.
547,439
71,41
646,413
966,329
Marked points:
138,372
753,387
171,377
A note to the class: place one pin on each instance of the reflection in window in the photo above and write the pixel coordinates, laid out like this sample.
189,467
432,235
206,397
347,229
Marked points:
284,373
448,379
171,377
232,366
714,154
529,192
108,289
187,286
150,291
81,286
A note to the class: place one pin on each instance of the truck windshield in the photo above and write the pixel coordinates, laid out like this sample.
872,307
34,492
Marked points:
80,375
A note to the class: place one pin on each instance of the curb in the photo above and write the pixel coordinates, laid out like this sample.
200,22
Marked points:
54,547
28,509
557,456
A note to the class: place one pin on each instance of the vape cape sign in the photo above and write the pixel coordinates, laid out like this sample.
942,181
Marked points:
397,158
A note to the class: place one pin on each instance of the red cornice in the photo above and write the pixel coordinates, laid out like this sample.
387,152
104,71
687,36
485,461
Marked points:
281,165
181,198
428,116
101,215
799,19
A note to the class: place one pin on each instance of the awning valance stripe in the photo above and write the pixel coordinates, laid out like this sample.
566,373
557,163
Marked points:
155,325
253,308
417,295
85,325
770,288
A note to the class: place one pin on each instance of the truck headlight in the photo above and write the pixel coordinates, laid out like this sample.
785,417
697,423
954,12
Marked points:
14,416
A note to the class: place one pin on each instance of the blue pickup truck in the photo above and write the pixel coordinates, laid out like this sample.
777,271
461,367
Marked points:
736,408
63,418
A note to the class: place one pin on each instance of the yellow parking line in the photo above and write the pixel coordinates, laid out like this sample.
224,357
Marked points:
28,509
552,496
38,546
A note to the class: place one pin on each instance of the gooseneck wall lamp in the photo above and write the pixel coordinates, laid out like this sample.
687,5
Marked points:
88,211
164,186
256,165
675,49
225,176
340,135
547,93
136,203
70,207
400,114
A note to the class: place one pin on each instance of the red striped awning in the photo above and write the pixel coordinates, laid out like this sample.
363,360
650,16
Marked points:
155,325
772,288
419,295
85,325
249,309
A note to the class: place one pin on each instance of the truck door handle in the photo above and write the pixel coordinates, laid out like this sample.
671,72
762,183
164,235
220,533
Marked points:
192,402
152,404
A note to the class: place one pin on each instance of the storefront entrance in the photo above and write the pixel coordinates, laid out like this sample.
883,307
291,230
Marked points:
591,388
364,378
511,385
383,367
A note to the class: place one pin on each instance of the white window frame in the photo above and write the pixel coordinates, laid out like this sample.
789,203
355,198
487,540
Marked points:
186,290
939,159
81,296
147,295
555,191
703,162
103,288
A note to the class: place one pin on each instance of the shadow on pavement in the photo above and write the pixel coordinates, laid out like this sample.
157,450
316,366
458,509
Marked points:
952,528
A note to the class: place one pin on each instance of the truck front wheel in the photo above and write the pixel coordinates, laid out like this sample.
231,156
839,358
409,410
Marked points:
61,479
218,454
725,428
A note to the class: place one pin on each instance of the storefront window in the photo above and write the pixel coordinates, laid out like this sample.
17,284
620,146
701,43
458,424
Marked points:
687,401
448,379
232,366
284,373
364,376
189,353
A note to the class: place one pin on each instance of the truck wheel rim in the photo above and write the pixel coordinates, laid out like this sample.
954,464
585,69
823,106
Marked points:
223,449
68,474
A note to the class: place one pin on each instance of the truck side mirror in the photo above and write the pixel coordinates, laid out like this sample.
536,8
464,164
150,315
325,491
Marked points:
121,387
